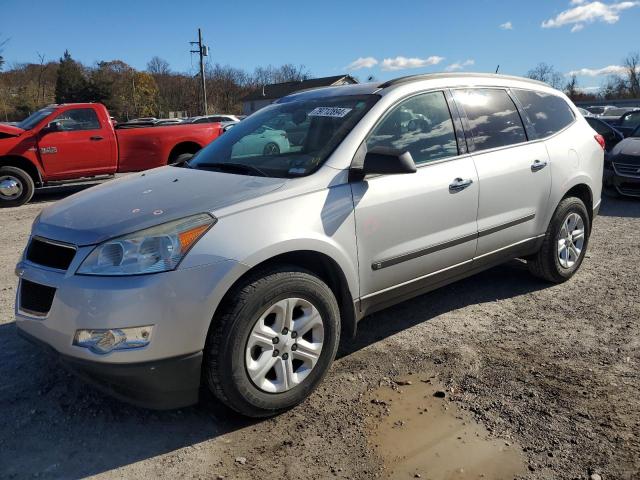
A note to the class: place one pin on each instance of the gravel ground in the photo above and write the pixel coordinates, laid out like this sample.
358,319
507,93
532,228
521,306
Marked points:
554,368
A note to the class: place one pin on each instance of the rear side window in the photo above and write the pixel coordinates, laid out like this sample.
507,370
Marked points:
630,120
493,117
548,113
421,125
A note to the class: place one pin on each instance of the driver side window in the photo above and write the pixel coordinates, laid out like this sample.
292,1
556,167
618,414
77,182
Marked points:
78,119
421,125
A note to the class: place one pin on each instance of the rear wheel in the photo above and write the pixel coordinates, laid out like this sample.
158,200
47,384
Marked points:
16,187
565,242
273,342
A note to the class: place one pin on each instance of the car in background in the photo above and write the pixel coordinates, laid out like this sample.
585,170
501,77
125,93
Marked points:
215,118
622,167
599,109
226,126
611,135
628,122
169,121
262,141
584,112
613,115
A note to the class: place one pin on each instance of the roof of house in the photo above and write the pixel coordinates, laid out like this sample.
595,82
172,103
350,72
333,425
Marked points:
278,90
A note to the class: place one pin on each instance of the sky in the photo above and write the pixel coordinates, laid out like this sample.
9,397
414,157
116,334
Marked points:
363,38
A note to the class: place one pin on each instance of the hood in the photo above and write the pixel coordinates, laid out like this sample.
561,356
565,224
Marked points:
10,130
143,200
628,150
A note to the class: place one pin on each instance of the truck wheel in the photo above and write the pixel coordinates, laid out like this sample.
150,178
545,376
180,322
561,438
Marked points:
273,342
565,243
181,159
16,187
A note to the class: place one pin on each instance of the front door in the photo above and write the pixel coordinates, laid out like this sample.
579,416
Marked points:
411,227
81,146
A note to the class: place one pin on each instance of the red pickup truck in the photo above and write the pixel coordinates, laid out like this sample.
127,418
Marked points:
63,143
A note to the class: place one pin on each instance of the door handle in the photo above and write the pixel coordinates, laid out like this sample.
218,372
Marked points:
459,184
96,138
538,165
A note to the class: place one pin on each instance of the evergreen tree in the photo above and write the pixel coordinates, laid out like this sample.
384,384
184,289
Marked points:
71,85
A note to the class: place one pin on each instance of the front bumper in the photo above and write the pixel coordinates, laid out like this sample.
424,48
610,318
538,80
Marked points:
624,178
161,385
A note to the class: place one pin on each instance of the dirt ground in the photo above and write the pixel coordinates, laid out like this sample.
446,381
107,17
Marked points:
552,369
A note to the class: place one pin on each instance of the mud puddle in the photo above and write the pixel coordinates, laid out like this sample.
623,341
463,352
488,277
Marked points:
420,433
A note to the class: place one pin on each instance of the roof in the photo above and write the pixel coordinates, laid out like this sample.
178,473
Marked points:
278,90
435,76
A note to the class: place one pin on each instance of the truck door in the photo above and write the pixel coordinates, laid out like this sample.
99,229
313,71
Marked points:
77,145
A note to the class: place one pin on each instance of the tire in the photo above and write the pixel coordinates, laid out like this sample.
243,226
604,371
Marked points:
181,159
552,263
16,187
226,362
271,148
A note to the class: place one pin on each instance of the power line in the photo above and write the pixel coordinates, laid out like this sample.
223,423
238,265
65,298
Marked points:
202,51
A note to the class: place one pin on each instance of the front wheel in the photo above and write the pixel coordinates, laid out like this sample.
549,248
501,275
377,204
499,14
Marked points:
565,242
271,148
16,187
273,342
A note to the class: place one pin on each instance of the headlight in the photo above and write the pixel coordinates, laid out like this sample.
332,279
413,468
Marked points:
103,341
155,249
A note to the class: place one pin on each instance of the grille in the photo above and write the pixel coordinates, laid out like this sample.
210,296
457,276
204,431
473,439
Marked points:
49,254
626,169
35,298
630,189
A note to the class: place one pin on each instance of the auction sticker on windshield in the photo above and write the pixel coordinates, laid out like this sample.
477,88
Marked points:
336,112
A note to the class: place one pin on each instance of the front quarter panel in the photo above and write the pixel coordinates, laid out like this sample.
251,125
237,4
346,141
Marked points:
320,221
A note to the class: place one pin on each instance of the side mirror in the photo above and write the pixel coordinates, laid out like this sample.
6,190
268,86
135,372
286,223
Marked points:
52,127
382,161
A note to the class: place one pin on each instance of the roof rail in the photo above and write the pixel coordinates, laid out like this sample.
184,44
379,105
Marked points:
433,76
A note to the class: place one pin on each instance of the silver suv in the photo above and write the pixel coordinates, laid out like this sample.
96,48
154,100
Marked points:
240,271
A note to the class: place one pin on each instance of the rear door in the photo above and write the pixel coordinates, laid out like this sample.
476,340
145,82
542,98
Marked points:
82,147
514,174
411,227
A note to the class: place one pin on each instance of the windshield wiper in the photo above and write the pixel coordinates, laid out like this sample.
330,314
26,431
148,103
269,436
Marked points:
232,167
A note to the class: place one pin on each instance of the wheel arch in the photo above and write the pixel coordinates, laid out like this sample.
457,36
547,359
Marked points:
183,147
584,193
28,166
318,263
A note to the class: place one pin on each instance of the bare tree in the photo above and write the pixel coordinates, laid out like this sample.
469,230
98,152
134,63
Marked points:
158,66
571,88
546,73
2,44
632,67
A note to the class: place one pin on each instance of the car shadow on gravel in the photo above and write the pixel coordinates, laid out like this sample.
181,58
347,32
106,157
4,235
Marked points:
52,194
505,281
52,425
620,207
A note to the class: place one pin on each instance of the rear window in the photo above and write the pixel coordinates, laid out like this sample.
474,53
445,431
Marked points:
493,117
631,120
548,113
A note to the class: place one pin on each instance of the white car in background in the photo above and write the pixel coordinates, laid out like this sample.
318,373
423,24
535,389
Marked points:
264,141
214,118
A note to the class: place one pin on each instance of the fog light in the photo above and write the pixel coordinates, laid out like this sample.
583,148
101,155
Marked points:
103,341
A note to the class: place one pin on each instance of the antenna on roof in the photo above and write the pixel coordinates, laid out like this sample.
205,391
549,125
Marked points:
497,68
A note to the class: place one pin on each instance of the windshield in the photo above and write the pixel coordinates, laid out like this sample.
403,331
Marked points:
285,140
35,118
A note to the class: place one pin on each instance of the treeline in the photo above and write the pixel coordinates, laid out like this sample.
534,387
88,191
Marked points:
625,83
129,93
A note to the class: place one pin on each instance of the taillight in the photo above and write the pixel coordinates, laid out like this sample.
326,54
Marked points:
600,139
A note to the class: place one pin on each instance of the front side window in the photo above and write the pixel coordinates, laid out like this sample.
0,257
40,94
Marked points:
78,119
493,117
421,125
288,139
548,113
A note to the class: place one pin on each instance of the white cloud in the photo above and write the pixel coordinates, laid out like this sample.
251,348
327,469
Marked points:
506,26
402,63
584,13
597,72
362,62
460,65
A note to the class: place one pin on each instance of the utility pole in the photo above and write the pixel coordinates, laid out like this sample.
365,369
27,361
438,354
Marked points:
202,51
